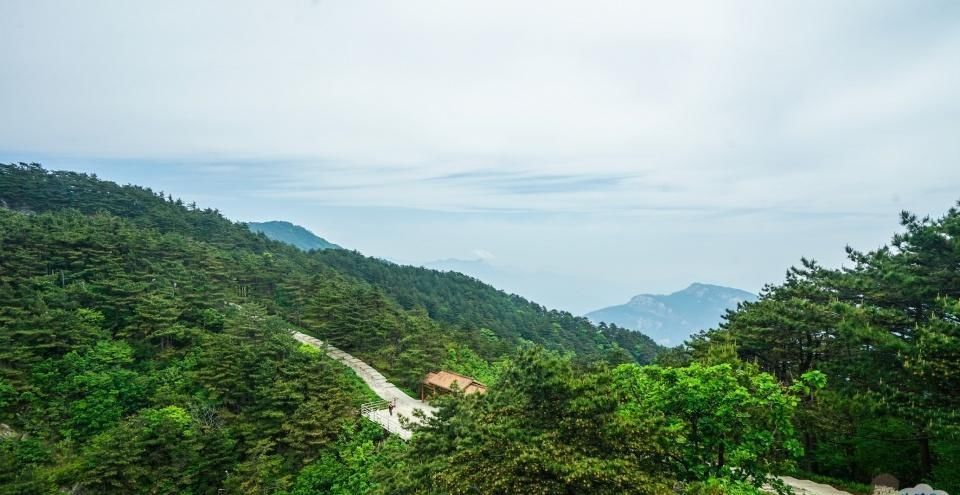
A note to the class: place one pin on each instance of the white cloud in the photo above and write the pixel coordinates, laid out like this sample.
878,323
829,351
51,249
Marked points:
483,254
646,121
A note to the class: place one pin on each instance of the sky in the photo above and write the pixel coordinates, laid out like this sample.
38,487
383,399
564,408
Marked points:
594,150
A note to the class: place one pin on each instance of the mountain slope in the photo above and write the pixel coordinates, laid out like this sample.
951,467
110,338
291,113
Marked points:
562,288
672,318
335,293
140,361
291,234
145,341
493,320
476,268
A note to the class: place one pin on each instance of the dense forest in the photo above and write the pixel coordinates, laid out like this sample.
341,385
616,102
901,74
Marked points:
341,295
145,348
119,302
886,330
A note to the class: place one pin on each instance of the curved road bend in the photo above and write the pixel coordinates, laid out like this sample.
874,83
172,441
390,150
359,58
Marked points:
380,386
406,405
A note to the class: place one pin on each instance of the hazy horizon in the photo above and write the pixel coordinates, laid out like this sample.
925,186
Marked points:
606,152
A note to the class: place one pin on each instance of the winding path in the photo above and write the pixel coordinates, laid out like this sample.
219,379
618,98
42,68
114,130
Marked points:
380,386
406,405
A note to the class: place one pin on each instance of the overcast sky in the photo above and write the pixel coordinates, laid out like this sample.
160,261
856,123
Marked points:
601,148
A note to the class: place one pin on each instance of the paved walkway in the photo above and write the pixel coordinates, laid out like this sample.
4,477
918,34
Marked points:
380,386
406,405
807,487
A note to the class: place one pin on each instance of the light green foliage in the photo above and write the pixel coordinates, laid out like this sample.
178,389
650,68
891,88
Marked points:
148,453
310,350
347,469
547,427
174,416
463,360
89,391
809,383
721,421
886,331
144,348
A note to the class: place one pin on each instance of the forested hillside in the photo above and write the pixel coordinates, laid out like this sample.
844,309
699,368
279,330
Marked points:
496,320
144,339
886,331
283,279
131,361
145,349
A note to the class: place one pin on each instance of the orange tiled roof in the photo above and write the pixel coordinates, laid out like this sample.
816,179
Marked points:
446,380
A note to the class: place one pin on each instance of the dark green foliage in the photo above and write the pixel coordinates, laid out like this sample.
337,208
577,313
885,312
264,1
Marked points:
144,344
22,465
30,188
549,427
541,430
348,468
133,357
145,348
89,391
468,304
887,332
224,261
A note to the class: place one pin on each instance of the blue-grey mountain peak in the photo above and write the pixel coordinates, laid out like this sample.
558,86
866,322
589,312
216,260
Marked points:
291,234
670,319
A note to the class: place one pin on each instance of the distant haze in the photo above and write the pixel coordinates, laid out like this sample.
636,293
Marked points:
563,289
600,149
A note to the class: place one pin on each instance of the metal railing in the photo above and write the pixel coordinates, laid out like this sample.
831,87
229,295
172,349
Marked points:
369,407
391,425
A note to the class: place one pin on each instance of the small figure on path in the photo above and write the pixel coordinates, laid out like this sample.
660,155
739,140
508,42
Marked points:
391,405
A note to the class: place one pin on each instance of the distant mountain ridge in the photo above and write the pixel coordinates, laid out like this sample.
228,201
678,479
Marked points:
553,288
291,234
671,318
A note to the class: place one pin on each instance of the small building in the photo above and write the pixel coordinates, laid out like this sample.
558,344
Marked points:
443,382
